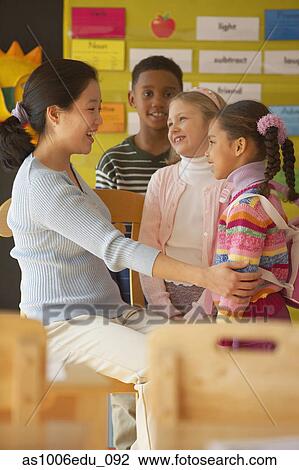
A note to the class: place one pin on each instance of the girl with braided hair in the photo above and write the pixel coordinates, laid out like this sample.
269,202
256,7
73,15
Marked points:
245,141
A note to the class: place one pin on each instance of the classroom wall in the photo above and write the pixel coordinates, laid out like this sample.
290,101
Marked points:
276,89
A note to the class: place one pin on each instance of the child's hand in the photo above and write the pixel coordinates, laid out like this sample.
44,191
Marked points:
226,282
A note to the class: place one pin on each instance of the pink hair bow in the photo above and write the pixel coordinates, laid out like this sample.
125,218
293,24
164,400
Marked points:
272,120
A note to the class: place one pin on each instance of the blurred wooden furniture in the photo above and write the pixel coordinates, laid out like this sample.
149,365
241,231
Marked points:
126,207
201,392
83,399
22,367
23,393
36,413
22,376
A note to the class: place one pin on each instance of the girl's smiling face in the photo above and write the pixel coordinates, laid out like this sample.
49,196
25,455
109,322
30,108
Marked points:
187,129
221,152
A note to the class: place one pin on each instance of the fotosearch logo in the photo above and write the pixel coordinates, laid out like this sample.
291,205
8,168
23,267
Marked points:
153,314
134,315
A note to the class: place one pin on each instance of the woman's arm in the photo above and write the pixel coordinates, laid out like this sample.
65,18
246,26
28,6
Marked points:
60,206
221,279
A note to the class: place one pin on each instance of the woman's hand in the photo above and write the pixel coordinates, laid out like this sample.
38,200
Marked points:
225,281
221,278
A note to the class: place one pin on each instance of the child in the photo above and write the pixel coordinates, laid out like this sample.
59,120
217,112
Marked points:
244,144
182,205
130,165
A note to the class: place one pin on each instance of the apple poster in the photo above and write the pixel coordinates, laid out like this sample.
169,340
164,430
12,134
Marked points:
163,26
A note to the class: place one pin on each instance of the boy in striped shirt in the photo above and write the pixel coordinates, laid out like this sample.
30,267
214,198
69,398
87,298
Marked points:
130,165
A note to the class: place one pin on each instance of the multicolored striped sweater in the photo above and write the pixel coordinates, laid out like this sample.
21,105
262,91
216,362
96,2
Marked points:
246,231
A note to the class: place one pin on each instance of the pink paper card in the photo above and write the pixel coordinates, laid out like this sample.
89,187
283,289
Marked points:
98,22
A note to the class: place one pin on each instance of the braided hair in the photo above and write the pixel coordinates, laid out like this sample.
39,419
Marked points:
272,159
288,167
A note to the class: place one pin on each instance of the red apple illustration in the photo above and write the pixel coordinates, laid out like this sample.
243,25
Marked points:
163,26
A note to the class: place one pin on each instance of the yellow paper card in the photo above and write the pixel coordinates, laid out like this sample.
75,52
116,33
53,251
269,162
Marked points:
101,54
113,115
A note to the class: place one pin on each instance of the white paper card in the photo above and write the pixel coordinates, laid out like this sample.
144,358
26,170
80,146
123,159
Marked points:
183,57
133,123
244,62
227,28
281,62
232,92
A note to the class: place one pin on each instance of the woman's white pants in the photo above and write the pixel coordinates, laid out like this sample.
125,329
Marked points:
115,348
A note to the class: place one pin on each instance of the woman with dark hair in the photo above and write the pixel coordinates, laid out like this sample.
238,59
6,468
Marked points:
244,146
64,239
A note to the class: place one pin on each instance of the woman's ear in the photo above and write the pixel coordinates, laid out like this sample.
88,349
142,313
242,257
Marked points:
240,146
53,114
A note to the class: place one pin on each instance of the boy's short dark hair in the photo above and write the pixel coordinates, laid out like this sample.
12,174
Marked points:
157,62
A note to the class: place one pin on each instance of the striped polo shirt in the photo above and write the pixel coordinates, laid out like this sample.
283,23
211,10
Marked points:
127,167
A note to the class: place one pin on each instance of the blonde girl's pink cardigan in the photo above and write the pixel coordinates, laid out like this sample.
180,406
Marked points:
161,201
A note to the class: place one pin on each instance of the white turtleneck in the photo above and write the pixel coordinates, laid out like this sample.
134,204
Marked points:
185,243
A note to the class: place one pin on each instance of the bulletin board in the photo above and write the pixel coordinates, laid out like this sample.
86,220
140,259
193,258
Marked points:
169,24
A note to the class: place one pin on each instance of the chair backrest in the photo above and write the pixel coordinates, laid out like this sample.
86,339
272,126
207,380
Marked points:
126,207
201,391
4,228
22,368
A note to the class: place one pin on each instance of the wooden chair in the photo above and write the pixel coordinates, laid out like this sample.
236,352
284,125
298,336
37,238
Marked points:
4,228
201,392
36,414
126,207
